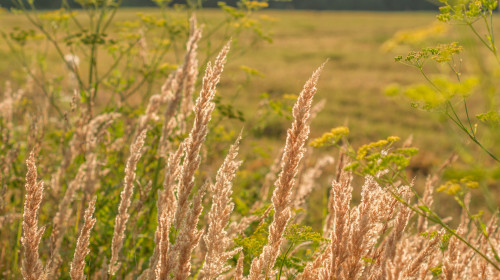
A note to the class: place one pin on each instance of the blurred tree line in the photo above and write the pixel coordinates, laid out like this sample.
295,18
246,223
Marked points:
376,5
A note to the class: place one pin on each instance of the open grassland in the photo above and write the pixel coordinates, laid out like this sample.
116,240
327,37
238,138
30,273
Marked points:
353,83
131,144
354,78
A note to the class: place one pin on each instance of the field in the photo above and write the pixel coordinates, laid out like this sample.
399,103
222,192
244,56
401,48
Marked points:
352,84
148,182
354,80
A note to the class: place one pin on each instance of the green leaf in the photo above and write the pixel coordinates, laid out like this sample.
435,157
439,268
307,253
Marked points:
491,118
425,209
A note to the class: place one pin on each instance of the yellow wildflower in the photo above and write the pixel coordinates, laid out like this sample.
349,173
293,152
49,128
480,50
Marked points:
363,150
472,185
415,36
393,139
450,187
60,15
442,188
330,138
340,131
453,189
251,5
469,183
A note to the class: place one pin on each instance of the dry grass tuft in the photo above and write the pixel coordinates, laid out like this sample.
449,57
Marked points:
216,239
293,152
32,268
375,239
82,244
125,200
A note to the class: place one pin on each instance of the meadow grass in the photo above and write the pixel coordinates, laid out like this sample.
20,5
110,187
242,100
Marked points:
143,175
359,71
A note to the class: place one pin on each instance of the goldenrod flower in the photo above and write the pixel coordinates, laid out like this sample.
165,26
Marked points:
393,139
330,138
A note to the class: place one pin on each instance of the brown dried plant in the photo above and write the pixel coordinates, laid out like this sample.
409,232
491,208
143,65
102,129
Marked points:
375,239
216,239
262,267
82,244
192,145
125,200
32,268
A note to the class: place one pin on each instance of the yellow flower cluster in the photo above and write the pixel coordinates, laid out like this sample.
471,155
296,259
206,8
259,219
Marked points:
393,139
430,98
331,137
415,36
152,20
446,51
59,16
363,150
452,187
255,5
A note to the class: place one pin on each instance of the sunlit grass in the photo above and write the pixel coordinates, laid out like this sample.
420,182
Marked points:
358,71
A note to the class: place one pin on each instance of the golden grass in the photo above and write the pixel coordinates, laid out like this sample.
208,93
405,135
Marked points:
366,241
358,71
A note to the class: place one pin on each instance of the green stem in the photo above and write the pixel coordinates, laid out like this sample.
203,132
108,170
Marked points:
283,261
471,136
116,62
478,226
481,38
490,46
458,122
433,217
45,92
67,7
457,74
490,35
428,79
17,247
491,30
54,43
113,13
436,219
93,71
468,119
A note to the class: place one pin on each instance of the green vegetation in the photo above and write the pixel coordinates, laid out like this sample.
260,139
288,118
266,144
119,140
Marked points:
281,4
120,149
301,40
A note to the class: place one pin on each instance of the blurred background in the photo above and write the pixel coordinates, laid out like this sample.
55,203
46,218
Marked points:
275,49
376,5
